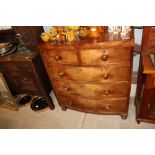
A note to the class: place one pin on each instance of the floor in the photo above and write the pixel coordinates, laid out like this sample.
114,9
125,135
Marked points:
25,118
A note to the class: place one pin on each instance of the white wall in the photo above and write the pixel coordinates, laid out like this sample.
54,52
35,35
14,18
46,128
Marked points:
46,28
138,39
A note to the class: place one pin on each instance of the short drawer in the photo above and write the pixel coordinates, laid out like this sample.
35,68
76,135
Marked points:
60,56
95,106
104,56
90,74
104,90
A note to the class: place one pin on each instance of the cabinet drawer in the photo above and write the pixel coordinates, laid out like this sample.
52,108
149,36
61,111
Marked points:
91,74
92,90
104,56
60,56
95,106
25,83
18,68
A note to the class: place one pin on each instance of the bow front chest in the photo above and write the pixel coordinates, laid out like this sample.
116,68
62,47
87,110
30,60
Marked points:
91,75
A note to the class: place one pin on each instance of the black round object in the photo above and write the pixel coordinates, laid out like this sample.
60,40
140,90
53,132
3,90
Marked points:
39,104
25,100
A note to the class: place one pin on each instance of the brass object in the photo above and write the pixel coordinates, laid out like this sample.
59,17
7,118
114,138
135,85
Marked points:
83,32
94,31
45,36
70,36
6,98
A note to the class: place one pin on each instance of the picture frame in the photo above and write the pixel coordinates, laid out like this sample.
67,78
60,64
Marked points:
6,98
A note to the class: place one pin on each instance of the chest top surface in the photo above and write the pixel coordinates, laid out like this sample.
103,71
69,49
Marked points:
104,41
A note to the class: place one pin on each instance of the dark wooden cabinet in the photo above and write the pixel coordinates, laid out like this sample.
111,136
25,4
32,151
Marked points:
145,95
26,74
91,75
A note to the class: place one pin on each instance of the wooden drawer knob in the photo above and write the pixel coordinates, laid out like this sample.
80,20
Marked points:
107,107
57,58
70,102
26,81
104,57
106,92
105,76
67,88
61,74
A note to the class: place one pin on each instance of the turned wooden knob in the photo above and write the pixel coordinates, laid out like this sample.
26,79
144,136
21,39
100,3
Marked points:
70,102
104,57
61,74
105,76
67,88
106,92
107,107
57,57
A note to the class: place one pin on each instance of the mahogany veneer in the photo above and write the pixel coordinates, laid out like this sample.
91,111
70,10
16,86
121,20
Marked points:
91,75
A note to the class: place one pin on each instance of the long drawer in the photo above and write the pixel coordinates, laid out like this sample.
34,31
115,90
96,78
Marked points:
104,90
105,56
90,74
114,106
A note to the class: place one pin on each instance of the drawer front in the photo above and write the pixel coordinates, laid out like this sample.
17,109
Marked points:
91,74
18,68
104,56
91,90
60,56
95,106
25,83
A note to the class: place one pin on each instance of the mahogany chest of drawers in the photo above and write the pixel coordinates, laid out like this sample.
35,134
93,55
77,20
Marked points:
91,75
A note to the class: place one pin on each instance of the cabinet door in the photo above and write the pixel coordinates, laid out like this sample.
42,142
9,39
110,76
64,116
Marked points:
148,104
151,103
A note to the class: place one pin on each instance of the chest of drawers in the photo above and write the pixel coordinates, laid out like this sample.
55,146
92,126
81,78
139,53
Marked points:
91,75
